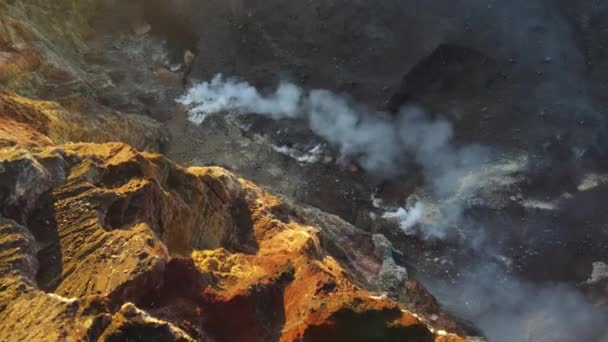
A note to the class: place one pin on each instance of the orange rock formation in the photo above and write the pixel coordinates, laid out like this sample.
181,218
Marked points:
103,242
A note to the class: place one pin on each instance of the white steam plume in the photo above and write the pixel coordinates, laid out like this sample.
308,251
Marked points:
408,218
220,95
381,143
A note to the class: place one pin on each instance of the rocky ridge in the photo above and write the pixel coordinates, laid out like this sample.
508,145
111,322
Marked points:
101,241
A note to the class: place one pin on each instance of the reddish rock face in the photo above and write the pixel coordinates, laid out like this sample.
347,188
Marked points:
103,242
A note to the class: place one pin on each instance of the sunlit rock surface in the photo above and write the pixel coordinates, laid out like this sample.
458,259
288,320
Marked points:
101,241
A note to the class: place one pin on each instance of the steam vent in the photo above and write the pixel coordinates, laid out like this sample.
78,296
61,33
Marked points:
315,171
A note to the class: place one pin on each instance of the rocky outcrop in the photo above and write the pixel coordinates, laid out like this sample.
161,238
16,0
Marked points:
103,242
38,38
80,55
52,122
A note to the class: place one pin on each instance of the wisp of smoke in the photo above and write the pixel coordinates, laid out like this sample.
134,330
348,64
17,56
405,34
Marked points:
510,309
408,218
381,143
220,95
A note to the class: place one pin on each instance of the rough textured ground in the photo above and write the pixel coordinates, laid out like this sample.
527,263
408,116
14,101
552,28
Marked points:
100,241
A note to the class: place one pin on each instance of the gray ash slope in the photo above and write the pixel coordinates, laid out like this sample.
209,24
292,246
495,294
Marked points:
519,77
